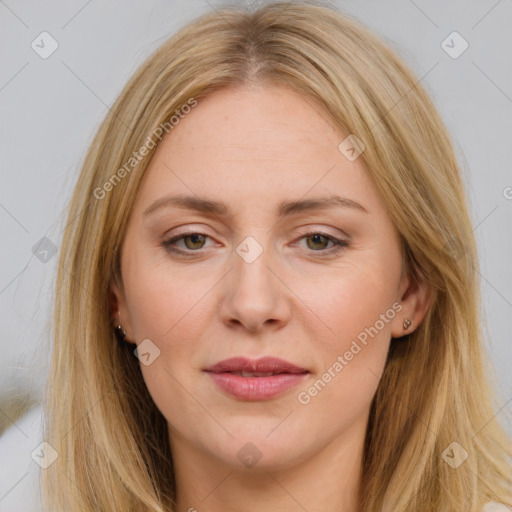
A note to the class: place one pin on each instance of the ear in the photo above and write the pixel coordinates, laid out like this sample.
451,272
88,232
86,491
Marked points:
415,296
118,309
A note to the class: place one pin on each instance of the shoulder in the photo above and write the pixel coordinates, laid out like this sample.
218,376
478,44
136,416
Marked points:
19,473
496,507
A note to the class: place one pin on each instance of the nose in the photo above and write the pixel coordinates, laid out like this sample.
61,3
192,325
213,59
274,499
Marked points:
254,295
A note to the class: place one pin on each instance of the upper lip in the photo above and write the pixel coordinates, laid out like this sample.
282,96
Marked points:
262,365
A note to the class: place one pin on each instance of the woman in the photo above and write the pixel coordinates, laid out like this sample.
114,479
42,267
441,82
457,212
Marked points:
267,295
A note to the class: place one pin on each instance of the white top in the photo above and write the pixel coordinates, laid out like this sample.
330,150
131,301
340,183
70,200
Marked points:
496,507
20,446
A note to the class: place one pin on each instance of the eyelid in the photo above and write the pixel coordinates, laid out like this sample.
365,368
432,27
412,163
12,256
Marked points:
323,229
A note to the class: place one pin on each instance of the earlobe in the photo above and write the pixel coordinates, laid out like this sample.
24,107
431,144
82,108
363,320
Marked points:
415,301
118,313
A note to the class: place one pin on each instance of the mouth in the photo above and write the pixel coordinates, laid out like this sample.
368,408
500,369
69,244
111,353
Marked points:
254,380
254,374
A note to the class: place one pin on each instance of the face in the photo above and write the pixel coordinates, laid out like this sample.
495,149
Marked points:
270,268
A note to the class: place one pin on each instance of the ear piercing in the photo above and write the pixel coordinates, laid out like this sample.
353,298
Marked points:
120,334
406,324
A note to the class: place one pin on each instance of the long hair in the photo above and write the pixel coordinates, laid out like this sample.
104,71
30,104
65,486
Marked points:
436,400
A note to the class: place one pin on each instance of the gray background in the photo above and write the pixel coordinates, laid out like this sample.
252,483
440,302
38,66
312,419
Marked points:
50,109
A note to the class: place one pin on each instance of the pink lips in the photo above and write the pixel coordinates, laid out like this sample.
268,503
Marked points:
260,379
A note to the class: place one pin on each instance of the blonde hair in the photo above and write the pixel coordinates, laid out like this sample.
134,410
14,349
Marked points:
112,440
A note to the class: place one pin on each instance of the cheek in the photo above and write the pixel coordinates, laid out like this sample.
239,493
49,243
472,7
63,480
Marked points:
171,311
344,304
351,332
162,300
174,309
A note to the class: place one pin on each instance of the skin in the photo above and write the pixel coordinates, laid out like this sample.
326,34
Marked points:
252,148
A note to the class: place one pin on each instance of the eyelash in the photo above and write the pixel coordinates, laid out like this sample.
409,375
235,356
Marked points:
339,245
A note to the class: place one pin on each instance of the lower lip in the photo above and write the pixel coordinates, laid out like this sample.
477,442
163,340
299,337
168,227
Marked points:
256,388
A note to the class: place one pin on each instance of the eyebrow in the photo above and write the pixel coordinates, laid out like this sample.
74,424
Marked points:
284,208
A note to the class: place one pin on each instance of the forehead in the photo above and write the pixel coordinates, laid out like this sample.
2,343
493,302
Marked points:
255,146
263,121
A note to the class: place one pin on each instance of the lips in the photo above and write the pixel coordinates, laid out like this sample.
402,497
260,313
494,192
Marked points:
260,379
261,366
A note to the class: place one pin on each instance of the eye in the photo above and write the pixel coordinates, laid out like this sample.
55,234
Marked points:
193,242
320,240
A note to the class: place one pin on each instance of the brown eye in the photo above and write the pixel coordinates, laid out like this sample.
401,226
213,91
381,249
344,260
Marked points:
193,242
318,240
196,241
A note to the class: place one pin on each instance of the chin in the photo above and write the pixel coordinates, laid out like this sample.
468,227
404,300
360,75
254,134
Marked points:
260,449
